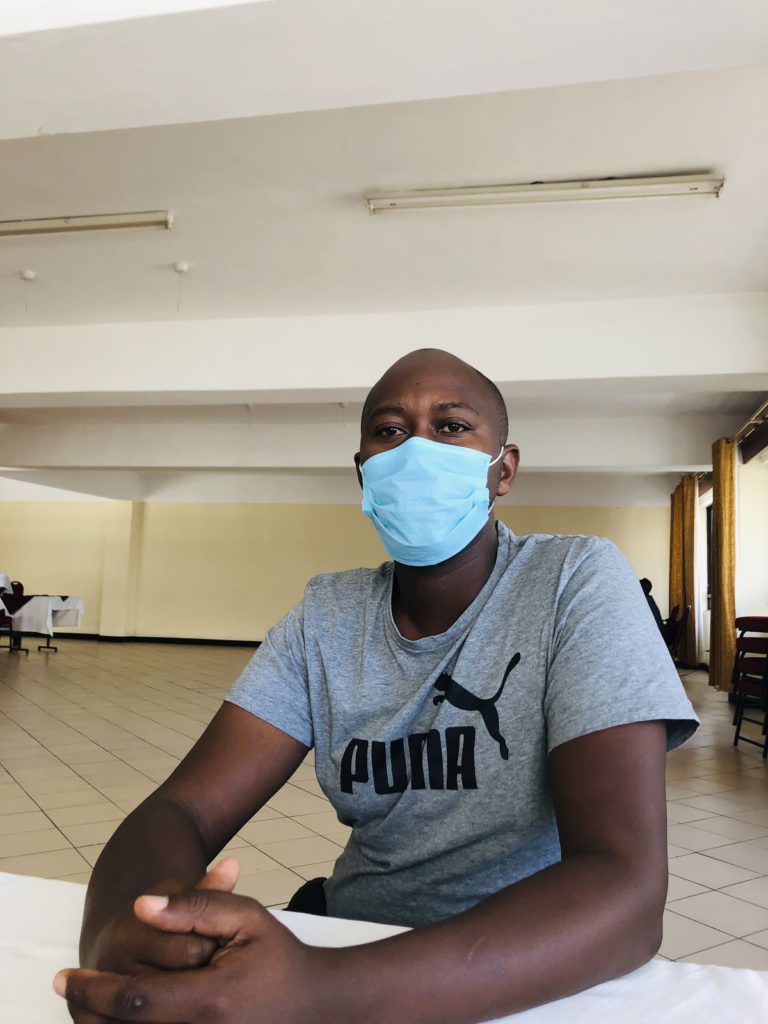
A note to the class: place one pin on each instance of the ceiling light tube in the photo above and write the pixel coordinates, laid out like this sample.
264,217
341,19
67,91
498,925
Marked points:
547,192
90,222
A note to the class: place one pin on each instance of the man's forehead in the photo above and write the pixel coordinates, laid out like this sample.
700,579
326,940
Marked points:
439,381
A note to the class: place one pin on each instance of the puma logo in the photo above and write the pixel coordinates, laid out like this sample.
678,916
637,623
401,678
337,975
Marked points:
461,698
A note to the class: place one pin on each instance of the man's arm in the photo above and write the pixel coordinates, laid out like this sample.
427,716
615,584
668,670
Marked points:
594,916
165,844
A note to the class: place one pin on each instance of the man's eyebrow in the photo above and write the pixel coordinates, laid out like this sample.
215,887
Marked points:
391,410
446,406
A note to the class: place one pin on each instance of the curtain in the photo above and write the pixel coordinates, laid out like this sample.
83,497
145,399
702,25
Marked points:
723,583
682,539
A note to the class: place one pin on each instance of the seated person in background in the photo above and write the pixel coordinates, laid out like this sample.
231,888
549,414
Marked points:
500,763
647,587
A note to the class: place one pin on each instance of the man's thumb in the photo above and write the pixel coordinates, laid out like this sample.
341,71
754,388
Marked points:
222,877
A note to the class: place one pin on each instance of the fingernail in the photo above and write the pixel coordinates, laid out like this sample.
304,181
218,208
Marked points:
155,902
60,983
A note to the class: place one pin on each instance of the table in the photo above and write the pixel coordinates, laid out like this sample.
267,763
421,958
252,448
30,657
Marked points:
42,612
40,923
5,582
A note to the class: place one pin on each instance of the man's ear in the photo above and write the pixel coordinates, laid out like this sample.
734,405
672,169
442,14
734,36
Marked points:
357,469
509,462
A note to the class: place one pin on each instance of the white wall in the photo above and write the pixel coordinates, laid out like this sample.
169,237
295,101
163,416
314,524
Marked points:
752,539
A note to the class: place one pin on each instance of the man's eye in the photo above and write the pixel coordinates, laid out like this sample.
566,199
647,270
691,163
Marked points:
453,428
390,430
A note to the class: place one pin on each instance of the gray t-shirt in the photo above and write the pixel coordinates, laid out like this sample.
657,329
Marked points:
435,750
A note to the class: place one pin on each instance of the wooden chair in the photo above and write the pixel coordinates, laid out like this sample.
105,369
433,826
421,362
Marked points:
749,682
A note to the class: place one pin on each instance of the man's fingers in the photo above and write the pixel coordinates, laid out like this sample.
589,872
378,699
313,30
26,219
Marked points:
164,998
222,876
215,914
172,952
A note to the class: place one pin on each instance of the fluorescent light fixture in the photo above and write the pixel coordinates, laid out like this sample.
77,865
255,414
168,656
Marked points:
547,192
90,222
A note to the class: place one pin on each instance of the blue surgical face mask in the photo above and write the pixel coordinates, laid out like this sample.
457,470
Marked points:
427,499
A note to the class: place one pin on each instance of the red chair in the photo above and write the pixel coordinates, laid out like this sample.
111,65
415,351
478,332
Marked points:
750,678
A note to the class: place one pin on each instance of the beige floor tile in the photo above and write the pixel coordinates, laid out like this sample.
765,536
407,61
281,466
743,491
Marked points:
68,784
714,874
85,813
744,855
676,851
16,804
303,772
266,813
322,823
723,803
309,786
719,910
91,853
128,792
273,831
41,841
45,865
270,887
737,953
680,814
322,870
680,888
27,821
88,834
82,878
291,800
754,891
694,839
683,936
68,798
732,827
305,851
252,861
759,939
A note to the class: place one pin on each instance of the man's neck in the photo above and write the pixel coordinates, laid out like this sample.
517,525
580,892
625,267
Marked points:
427,600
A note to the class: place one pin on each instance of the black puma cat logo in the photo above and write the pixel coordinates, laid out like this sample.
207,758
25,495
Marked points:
460,698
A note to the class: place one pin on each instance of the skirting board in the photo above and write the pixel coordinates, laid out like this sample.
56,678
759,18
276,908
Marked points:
150,639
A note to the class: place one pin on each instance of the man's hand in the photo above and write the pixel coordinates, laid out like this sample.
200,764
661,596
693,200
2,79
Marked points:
130,946
260,970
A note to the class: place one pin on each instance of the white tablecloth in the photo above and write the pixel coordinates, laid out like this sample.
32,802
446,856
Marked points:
40,614
40,923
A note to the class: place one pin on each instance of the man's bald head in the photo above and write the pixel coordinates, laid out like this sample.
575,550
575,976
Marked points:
424,363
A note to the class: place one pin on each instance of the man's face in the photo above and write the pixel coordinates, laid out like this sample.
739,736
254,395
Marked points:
438,398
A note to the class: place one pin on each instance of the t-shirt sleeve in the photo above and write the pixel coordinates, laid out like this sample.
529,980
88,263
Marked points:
608,664
274,685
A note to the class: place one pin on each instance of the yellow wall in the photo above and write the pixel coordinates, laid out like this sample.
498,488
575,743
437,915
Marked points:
56,548
228,571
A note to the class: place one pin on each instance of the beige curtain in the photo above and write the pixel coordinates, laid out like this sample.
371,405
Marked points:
723,583
681,562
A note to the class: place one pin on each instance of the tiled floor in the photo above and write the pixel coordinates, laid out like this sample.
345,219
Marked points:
87,733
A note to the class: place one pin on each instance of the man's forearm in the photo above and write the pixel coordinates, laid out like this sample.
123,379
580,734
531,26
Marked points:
158,843
582,921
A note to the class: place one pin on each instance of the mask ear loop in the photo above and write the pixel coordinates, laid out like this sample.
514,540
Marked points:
493,463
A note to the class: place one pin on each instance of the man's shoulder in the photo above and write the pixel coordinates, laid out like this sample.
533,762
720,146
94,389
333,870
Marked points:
349,583
560,547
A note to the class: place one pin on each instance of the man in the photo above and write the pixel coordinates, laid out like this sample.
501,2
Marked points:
502,767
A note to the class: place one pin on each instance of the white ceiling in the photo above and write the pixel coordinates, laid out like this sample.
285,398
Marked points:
262,125
271,219
288,55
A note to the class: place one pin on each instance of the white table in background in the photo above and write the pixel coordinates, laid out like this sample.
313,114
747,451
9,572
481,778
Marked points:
40,923
5,582
42,612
